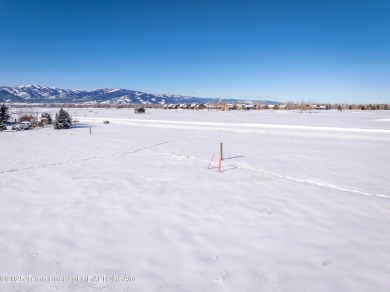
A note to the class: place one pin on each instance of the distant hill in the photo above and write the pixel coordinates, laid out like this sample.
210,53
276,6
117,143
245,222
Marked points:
41,94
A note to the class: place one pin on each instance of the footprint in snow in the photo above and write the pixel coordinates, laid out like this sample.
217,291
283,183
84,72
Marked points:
383,209
224,277
181,157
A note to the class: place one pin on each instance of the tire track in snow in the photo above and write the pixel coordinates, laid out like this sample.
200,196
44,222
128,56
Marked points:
243,125
218,125
323,185
245,128
80,160
316,183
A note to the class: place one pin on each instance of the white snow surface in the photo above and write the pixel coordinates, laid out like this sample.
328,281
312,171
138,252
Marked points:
302,202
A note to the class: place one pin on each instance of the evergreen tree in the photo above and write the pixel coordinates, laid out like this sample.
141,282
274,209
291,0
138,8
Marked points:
47,117
63,120
4,115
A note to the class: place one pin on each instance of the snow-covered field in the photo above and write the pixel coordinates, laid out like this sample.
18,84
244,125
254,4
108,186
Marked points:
302,202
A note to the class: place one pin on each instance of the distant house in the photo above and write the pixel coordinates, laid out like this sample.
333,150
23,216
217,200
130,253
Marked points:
261,106
226,107
213,106
139,110
230,106
169,106
249,106
238,106
318,107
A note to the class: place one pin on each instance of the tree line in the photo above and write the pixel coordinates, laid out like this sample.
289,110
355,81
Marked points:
62,120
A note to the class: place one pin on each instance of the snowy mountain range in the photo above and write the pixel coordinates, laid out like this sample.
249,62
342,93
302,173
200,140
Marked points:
42,94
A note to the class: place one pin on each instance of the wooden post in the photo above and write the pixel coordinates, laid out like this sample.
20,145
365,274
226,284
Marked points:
221,152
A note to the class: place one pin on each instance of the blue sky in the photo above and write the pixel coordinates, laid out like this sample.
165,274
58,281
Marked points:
320,51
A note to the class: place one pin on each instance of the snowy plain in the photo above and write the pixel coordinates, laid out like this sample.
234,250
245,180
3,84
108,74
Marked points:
302,202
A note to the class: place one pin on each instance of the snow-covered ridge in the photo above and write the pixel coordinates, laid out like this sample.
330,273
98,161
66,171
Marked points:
33,93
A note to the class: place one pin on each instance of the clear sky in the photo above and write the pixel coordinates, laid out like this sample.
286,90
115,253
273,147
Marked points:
312,50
